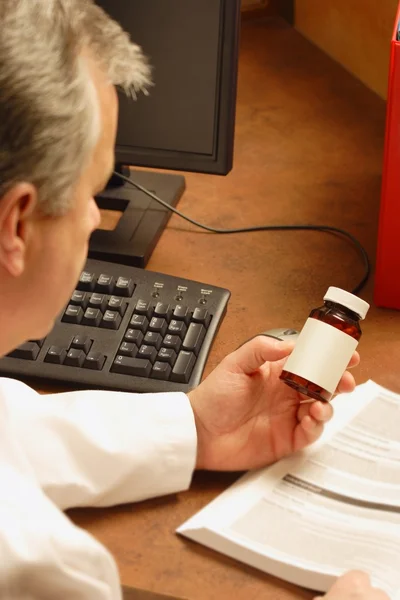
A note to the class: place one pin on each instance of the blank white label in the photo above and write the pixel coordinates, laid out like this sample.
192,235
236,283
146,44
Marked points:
321,354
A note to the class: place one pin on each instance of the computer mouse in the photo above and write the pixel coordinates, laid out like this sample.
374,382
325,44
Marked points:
282,333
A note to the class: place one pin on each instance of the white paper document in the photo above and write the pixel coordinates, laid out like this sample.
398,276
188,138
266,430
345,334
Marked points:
325,511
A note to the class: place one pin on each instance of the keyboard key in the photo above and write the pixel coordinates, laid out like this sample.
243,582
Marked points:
27,351
181,313
82,342
39,342
104,284
139,322
158,325
132,366
135,336
56,355
177,328
98,301
117,304
80,299
87,282
147,352
194,338
183,367
124,287
163,311
167,355
111,320
73,314
94,361
172,341
143,308
75,358
153,339
201,315
92,317
161,370
128,349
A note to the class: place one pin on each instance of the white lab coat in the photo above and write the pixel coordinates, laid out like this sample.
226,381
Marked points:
91,448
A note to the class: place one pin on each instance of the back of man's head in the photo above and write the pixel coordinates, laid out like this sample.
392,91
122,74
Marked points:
49,114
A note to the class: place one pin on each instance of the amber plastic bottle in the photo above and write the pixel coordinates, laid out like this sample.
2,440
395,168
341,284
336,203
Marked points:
325,345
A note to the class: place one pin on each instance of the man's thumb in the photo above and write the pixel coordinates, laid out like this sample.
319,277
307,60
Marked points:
253,354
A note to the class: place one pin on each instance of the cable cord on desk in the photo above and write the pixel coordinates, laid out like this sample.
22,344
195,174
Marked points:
322,228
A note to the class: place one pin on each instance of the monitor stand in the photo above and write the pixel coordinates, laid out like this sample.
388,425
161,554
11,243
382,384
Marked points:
142,220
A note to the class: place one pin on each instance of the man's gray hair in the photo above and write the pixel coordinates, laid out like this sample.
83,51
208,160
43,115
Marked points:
49,110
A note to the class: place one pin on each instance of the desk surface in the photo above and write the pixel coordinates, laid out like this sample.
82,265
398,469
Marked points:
308,150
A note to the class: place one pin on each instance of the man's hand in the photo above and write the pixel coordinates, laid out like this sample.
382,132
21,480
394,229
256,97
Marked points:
355,585
246,417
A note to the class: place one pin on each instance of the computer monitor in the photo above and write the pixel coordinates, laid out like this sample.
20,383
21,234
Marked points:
186,123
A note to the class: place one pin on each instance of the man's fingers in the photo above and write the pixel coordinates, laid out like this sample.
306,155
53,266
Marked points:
307,432
252,355
322,411
356,581
312,418
354,584
319,411
346,384
354,361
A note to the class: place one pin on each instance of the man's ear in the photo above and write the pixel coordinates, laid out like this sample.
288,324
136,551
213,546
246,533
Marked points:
16,207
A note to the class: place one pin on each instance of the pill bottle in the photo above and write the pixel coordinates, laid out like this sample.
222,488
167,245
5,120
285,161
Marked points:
325,345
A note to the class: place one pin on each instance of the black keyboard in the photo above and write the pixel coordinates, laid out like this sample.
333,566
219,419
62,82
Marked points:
128,329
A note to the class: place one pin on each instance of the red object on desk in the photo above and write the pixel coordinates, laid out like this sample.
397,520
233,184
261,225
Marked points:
387,280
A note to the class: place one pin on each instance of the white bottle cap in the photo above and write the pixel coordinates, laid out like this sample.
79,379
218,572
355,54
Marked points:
354,303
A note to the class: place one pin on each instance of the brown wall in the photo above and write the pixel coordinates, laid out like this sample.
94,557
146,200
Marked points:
356,33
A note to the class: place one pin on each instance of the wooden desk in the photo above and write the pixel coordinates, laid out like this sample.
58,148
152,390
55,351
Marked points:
308,150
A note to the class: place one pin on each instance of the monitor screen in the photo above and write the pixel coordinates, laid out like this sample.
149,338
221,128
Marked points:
187,121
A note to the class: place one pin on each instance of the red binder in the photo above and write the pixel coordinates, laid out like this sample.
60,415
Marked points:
387,279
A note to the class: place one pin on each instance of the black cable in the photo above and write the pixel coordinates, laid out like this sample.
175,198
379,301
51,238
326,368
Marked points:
323,228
